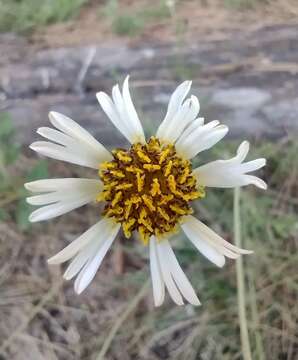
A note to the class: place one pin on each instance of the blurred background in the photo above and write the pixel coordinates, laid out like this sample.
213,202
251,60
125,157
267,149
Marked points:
242,56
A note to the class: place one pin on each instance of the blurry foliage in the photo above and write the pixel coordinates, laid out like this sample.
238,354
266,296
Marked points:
23,16
132,22
12,192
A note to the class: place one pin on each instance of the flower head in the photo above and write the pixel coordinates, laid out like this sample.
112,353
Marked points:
147,189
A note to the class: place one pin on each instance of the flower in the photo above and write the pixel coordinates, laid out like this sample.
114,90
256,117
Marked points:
147,188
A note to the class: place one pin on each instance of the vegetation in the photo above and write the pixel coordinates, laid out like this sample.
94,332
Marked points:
23,16
132,21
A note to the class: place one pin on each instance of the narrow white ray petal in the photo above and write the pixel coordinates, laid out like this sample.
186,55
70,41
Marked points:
62,153
183,117
120,108
111,111
80,260
231,172
132,114
71,184
156,276
89,270
175,103
97,231
210,236
75,131
166,274
55,136
57,209
242,151
45,199
254,180
202,245
202,138
253,165
191,128
179,276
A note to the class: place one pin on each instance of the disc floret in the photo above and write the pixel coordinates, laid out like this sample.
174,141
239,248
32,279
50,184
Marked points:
148,188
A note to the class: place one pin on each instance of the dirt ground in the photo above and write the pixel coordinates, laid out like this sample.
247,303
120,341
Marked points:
201,18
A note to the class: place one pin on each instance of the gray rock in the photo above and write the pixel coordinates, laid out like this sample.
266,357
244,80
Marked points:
241,97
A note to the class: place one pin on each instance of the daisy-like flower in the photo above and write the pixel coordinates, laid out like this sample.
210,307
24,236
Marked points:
147,189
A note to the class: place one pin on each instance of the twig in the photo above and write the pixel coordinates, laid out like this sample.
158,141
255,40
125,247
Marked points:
85,67
240,280
131,306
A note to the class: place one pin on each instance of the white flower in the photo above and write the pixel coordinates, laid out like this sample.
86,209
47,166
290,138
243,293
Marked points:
147,188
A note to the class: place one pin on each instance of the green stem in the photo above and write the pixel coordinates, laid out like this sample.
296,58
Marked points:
240,280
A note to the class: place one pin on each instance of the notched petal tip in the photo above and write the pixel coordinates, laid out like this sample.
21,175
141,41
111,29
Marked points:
27,186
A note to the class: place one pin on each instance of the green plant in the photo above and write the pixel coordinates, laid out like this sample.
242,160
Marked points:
24,16
131,23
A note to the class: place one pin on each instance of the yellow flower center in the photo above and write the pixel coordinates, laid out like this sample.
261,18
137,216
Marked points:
148,188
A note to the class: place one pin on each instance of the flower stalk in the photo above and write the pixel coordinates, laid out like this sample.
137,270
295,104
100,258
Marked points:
246,352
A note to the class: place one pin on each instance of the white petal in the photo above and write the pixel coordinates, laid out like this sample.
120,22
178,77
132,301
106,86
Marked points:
209,236
175,103
78,155
75,131
96,232
122,113
183,117
231,172
57,209
45,199
89,270
179,276
80,260
253,165
166,274
70,184
156,276
132,114
191,128
202,245
63,195
55,136
202,138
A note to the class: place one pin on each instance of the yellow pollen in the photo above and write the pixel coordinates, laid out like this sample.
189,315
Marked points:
163,213
143,157
168,168
148,202
134,169
140,182
117,198
148,188
151,167
117,173
155,188
172,183
122,156
163,155
123,186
